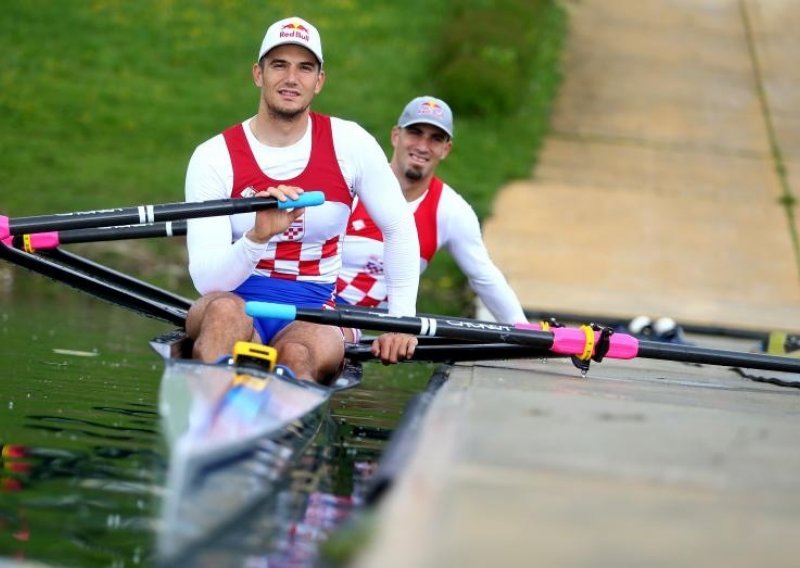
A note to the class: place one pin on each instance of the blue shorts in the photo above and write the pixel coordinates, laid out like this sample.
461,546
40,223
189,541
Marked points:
300,294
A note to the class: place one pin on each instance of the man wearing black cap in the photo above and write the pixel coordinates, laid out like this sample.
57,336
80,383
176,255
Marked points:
290,256
422,138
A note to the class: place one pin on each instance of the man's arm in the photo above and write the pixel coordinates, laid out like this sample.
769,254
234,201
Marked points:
460,234
215,264
383,199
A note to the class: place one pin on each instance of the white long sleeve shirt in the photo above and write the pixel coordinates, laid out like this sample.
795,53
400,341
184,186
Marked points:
221,257
457,230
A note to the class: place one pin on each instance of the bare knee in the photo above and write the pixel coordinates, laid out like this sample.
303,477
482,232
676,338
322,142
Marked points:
213,306
298,357
225,306
311,351
216,322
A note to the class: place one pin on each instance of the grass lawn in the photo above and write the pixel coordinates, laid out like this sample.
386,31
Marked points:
102,103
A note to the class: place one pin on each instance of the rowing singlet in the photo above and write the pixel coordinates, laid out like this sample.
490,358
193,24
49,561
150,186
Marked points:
310,249
361,280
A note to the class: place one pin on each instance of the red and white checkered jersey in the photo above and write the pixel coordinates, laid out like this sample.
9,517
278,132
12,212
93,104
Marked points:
334,156
361,280
444,220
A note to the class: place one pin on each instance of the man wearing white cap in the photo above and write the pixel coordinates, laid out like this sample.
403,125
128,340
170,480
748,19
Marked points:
422,138
290,256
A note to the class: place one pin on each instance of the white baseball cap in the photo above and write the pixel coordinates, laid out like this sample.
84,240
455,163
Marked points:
295,31
427,110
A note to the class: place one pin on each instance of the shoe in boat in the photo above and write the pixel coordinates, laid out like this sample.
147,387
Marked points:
668,331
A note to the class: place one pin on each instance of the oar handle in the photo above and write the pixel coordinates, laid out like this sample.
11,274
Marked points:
151,214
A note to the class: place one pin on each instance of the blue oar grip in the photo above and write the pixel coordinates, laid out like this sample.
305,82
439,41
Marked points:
307,199
270,310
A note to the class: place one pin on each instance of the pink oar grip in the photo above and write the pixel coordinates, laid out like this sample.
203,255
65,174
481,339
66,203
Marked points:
5,232
572,341
623,346
45,240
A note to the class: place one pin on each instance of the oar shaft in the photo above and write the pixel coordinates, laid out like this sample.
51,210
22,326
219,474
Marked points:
54,239
708,356
153,230
143,214
139,301
564,341
102,275
425,326
438,353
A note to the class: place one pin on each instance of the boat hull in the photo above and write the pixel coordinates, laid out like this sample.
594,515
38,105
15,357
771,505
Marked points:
233,433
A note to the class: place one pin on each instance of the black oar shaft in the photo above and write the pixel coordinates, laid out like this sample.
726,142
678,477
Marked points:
54,239
708,356
102,275
438,353
153,230
457,328
151,213
139,301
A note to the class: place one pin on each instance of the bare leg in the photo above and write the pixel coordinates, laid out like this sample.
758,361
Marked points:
314,352
216,322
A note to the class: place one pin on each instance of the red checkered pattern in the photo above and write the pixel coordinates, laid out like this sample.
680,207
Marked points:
295,231
309,250
363,290
302,261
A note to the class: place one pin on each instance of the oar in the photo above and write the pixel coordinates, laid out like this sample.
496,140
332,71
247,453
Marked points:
54,239
103,274
564,341
143,301
150,214
451,352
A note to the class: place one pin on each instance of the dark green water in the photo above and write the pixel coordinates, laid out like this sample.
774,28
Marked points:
84,462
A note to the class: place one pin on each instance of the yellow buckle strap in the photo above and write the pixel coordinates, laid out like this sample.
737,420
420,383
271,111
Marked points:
588,347
26,244
264,355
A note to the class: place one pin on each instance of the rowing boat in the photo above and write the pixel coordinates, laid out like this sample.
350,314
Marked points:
233,432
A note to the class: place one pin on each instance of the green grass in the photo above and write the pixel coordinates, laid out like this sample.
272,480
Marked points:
102,103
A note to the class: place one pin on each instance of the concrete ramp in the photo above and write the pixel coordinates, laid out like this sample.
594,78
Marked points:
674,138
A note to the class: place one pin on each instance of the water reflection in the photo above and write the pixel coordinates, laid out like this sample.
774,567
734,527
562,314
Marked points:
302,510
84,461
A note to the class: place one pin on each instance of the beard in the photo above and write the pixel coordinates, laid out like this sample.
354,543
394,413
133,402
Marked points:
413,174
288,115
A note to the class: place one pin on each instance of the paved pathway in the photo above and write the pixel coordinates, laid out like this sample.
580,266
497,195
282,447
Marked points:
656,193
658,190
641,464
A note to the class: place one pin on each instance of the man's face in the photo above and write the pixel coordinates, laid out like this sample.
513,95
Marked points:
289,76
418,149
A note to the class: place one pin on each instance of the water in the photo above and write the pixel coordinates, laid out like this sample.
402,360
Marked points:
84,460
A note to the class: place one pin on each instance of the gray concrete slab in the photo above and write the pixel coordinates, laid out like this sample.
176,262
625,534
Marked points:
643,462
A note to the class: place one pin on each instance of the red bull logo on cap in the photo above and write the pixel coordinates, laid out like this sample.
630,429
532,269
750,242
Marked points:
430,108
295,30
